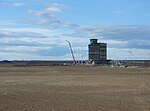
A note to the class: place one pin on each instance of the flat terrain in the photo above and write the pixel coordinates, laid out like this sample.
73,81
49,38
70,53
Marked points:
74,88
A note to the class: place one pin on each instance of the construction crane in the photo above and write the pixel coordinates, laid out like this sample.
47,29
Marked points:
71,52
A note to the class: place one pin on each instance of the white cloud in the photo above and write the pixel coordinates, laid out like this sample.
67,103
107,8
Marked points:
128,54
18,4
19,56
124,41
55,7
114,42
28,56
117,31
49,11
13,4
117,36
49,18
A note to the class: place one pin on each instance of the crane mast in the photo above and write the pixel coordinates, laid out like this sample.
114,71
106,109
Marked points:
71,51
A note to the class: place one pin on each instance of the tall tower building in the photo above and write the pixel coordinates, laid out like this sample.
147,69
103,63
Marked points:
97,51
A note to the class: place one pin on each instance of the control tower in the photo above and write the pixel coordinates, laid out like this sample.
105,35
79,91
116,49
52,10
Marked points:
97,51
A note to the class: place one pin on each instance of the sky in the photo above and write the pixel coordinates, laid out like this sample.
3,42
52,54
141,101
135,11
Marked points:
38,29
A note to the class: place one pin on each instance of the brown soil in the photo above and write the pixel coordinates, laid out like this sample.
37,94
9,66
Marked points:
74,88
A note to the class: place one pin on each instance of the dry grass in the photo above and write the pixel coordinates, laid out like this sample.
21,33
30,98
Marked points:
74,89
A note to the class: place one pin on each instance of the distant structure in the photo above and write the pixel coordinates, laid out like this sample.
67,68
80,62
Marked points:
97,51
74,61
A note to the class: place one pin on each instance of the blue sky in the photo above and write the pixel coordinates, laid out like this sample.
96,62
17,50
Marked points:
37,29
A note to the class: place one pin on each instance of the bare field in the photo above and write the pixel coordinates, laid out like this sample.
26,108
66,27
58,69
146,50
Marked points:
74,88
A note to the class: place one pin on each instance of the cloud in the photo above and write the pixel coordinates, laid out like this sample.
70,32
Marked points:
51,44
55,7
128,54
54,51
49,11
127,41
117,36
49,18
13,4
24,38
39,51
32,42
30,56
15,34
18,4
120,32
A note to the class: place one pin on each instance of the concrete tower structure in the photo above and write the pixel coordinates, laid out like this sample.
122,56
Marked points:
97,51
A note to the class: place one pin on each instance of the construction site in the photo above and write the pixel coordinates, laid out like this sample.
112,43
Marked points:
97,55
96,84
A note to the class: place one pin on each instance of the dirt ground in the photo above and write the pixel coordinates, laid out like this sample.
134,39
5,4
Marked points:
74,88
